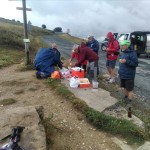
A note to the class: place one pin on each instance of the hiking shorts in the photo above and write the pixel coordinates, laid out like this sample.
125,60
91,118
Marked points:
111,64
128,84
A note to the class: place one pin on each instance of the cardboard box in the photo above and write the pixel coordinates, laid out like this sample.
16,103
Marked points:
77,71
84,83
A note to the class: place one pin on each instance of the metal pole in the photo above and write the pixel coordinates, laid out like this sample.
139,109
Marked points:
25,32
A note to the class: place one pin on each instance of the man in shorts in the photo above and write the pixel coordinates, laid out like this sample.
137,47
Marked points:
127,68
112,56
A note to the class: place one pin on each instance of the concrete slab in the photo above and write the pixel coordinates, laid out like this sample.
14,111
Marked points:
98,99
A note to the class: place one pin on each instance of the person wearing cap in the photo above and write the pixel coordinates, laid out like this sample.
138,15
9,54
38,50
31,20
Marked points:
128,62
87,54
93,44
77,56
112,56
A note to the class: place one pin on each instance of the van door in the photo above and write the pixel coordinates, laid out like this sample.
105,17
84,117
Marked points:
138,40
148,44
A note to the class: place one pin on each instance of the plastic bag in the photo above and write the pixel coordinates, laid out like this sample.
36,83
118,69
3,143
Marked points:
74,82
65,73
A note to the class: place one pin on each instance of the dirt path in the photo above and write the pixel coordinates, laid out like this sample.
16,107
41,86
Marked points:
70,131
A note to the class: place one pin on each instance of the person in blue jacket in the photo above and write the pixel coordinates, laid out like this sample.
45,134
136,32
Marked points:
93,44
127,68
45,61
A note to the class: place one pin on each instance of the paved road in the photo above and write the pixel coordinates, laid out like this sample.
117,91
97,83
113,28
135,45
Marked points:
142,80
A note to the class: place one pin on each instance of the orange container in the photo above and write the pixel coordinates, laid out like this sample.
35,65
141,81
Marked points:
77,71
84,83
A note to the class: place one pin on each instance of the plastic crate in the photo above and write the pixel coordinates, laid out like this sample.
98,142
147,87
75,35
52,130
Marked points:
77,71
84,83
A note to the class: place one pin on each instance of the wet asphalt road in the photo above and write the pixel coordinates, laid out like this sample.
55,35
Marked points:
142,79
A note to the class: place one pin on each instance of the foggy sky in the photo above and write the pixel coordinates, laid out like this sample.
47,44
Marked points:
94,17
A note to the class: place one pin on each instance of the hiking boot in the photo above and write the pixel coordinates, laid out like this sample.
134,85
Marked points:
111,81
40,75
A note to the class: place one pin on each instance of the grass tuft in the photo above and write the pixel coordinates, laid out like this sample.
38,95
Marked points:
19,92
8,101
24,67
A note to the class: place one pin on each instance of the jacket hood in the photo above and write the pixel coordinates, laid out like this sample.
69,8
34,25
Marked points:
83,44
110,36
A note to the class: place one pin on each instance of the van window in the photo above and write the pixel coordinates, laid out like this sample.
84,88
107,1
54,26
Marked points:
123,37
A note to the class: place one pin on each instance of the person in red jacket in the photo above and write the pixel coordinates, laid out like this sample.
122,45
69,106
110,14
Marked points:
87,54
77,56
112,56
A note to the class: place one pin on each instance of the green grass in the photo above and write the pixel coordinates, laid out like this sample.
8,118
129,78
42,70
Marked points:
71,38
116,126
10,56
8,101
24,67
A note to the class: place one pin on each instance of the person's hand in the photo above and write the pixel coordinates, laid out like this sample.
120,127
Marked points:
72,65
70,60
107,49
122,61
64,64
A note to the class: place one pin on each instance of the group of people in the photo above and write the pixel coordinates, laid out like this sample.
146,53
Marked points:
86,55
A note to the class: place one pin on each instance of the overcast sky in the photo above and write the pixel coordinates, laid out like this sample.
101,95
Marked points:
83,17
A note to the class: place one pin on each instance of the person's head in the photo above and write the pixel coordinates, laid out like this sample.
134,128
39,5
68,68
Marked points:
90,38
54,45
110,36
75,48
125,44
